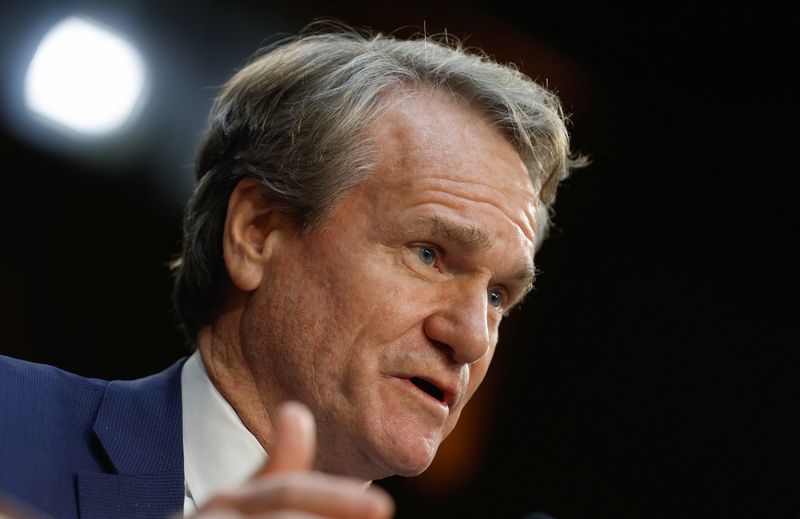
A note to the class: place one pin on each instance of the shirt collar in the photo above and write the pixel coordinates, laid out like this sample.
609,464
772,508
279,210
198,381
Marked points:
218,451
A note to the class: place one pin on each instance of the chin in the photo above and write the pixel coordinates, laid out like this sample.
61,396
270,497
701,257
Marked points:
397,438
411,472
376,454
406,458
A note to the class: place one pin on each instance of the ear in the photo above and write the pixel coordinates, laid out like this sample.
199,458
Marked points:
253,226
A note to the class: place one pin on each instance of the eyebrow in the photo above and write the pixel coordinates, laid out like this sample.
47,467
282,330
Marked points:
472,237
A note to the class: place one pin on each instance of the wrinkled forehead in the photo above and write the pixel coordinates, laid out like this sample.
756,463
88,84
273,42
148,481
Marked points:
424,115
429,140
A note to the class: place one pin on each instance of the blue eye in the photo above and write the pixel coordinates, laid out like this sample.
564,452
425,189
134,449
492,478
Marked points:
495,298
427,255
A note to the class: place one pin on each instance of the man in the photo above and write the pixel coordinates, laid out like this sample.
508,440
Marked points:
366,212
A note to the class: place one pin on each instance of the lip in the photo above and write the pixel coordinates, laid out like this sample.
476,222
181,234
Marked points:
429,401
449,393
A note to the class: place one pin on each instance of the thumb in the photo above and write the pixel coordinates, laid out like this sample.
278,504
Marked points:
295,439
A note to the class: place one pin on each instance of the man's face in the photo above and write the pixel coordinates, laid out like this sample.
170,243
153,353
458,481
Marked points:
384,320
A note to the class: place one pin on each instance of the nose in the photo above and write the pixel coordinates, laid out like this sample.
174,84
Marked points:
460,325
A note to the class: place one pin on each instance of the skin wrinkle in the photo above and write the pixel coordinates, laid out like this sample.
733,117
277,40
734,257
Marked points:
521,219
525,270
442,179
452,202
221,364
470,237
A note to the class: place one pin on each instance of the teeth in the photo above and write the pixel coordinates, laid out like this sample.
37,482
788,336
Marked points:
429,388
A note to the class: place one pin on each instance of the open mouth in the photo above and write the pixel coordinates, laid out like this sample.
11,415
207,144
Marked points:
429,388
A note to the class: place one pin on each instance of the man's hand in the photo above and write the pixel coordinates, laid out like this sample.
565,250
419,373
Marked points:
286,487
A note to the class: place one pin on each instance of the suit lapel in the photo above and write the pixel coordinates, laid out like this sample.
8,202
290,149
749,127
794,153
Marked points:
139,425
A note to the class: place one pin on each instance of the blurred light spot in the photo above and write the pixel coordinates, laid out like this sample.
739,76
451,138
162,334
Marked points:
84,77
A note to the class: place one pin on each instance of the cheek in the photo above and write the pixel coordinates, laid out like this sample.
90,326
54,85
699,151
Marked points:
291,314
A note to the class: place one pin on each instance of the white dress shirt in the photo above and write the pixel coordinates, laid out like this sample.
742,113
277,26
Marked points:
218,451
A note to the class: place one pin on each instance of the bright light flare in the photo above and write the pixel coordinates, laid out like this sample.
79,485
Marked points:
84,77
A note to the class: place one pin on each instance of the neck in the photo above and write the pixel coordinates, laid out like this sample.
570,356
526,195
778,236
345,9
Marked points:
227,369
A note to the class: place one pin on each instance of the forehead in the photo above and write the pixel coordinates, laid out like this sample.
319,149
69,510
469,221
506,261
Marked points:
433,148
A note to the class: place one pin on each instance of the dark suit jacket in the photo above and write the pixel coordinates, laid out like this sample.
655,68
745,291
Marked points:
77,447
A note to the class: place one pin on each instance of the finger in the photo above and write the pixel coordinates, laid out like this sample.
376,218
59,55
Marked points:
295,440
310,492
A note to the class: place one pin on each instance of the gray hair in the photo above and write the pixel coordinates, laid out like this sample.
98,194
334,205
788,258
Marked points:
295,119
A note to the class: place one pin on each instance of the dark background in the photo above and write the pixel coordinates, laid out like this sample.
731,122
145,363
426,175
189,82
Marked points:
653,373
